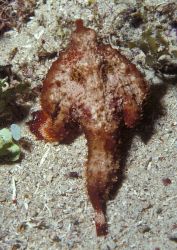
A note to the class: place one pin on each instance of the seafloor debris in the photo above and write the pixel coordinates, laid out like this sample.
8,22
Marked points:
148,32
9,150
16,96
14,13
92,86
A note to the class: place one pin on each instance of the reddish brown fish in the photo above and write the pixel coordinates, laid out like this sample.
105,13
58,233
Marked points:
93,85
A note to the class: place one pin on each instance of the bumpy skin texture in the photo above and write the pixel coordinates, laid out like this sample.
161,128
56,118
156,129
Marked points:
92,85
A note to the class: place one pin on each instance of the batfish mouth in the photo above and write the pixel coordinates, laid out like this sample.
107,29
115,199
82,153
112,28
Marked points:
38,119
42,127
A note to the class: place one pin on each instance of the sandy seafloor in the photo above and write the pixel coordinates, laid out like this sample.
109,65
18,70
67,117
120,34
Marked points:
53,210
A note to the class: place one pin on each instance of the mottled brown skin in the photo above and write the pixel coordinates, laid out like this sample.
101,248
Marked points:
92,85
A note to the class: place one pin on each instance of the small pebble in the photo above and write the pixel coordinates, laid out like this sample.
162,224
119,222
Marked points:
166,181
